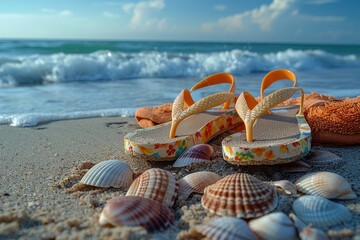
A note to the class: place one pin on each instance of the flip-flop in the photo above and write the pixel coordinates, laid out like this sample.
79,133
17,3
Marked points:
192,123
273,134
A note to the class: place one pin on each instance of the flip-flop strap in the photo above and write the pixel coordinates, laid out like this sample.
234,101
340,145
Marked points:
217,78
184,99
249,109
276,75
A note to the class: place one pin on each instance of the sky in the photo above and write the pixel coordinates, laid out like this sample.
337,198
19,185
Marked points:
291,21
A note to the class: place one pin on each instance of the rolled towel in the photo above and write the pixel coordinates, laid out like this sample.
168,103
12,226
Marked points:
151,116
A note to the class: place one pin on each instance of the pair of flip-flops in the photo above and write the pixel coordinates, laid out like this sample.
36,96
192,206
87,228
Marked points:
273,134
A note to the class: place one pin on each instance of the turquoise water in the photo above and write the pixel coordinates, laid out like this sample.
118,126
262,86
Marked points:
50,80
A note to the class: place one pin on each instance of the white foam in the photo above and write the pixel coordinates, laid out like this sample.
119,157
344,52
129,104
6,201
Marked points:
33,119
106,65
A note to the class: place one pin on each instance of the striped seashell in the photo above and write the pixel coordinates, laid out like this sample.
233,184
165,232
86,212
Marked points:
322,158
309,233
134,211
157,184
196,182
110,173
240,195
325,184
274,226
287,186
196,154
295,167
320,212
226,228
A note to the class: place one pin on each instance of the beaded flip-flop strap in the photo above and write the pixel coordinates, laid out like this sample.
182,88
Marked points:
249,109
217,78
184,99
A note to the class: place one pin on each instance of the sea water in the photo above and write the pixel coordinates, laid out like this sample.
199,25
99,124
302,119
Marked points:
42,81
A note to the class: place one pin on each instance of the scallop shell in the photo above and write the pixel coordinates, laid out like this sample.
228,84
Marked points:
295,167
287,186
196,154
136,211
325,184
157,184
322,158
110,173
276,226
309,233
320,212
196,182
240,195
226,228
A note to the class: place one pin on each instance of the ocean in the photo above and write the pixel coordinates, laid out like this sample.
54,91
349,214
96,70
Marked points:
42,81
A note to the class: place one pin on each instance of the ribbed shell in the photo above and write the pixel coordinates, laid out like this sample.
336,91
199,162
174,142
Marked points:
320,212
309,233
295,167
226,228
110,173
136,211
325,184
196,182
322,158
157,184
240,195
274,226
196,154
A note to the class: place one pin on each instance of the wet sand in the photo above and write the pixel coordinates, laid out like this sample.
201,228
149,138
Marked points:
40,167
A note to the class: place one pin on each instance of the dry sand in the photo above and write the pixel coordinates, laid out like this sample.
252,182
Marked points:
41,165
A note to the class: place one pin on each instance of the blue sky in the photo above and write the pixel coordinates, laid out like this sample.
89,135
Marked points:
308,21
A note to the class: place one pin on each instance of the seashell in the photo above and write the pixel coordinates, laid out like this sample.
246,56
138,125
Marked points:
322,158
226,228
287,186
295,167
136,211
320,212
325,184
196,182
157,184
110,173
196,154
275,226
240,195
309,233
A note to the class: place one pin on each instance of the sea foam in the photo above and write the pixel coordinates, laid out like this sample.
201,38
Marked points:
107,65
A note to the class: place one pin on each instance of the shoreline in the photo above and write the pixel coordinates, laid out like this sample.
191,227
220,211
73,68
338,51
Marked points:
40,165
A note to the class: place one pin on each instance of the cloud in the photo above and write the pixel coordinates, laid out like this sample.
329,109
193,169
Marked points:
66,13
314,18
319,2
142,14
109,15
220,7
262,17
51,11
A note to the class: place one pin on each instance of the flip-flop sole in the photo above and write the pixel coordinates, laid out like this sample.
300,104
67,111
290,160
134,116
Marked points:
279,137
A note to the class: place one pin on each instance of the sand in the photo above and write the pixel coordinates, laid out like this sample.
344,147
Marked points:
41,166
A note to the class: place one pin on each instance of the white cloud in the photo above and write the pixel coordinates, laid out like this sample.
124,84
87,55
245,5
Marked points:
314,18
65,13
51,11
262,16
320,2
142,14
220,7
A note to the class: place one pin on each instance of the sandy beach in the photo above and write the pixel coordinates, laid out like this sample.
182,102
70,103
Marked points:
40,167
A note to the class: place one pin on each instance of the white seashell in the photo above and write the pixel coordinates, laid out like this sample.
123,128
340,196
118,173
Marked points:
320,212
157,184
325,184
287,186
295,167
297,222
309,233
226,228
196,182
322,158
136,211
274,226
110,173
196,154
